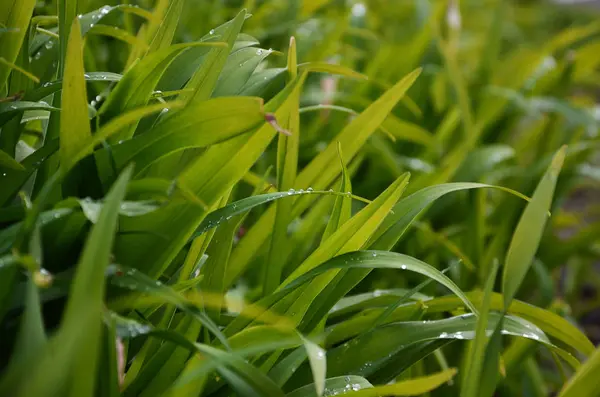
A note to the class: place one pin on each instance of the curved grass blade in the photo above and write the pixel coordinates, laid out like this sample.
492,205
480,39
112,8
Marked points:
225,213
205,79
570,337
377,350
9,109
381,259
340,385
410,387
54,86
240,65
409,208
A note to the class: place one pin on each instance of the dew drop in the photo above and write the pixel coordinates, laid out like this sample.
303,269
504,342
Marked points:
291,191
212,31
259,51
310,190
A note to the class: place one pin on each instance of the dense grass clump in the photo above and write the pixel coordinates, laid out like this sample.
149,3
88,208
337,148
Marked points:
324,197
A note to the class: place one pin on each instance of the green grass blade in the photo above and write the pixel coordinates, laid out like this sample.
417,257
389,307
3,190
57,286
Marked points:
136,86
330,68
334,386
322,171
475,360
14,16
342,209
8,110
585,382
287,166
318,365
410,387
137,281
167,26
31,340
528,233
204,80
569,336
195,126
380,259
409,208
75,129
87,293
6,161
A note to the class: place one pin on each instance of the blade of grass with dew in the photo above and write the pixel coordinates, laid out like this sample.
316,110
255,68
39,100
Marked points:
236,72
8,110
208,177
367,354
287,166
334,386
167,25
137,281
71,369
379,259
378,298
552,324
261,81
50,88
136,86
475,359
351,236
411,387
321,172
318,364
205,79
342,208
